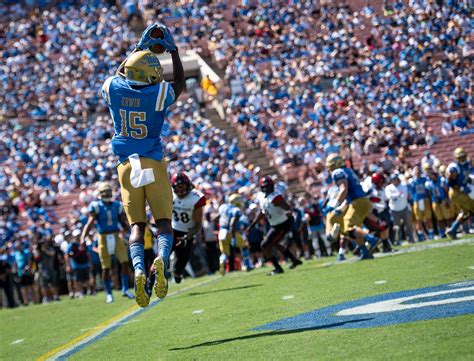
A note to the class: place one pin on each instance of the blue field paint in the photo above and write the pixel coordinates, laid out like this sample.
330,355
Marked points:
429,303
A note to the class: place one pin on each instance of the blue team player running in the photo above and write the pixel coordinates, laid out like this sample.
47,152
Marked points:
108,216
352,201
138,99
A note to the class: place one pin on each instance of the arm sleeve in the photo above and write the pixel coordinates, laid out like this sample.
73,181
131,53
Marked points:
338,175
93,208
200,203
165,96
279,198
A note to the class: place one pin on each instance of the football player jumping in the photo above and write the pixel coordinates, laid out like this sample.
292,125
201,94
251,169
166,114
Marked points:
276,210
108,216
188,205
138,98
351,201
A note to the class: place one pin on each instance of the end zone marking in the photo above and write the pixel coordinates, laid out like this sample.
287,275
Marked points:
77,344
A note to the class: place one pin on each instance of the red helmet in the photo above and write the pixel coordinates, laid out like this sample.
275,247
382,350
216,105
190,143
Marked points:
267,185
181,179
378,179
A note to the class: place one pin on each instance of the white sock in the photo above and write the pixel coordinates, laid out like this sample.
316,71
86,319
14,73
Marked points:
342,250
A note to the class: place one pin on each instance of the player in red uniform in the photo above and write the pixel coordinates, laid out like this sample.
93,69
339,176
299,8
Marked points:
188,205
276,210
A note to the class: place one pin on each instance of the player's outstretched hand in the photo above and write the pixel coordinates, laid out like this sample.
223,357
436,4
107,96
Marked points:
146,40
167,42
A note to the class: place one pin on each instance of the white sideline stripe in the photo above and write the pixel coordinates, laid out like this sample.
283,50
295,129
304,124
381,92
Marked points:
289,297
410,250
197,312
118,321
424,247
381,282
16,342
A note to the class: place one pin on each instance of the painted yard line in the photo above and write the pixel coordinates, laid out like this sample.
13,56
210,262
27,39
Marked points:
106,327
16,342
82,341
197,312
381,282
289,297
96,328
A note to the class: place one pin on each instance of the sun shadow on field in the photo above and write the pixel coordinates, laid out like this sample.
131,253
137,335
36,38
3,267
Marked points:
224,290
270,333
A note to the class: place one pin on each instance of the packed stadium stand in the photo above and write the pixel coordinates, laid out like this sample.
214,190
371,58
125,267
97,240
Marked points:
384,83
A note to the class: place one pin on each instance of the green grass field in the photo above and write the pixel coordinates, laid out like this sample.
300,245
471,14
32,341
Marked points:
215,320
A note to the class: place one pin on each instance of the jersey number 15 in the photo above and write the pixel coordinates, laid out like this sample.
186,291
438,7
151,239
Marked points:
132,124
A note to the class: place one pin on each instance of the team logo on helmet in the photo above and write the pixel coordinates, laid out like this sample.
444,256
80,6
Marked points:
143,67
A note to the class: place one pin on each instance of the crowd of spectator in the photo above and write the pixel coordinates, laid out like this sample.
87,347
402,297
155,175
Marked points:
387,75
315,80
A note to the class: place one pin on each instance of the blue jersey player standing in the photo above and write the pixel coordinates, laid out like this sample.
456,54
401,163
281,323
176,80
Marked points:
109,219
138,98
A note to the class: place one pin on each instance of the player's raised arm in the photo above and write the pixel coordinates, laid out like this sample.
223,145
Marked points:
178,72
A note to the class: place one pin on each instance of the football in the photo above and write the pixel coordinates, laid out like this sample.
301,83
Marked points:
157,48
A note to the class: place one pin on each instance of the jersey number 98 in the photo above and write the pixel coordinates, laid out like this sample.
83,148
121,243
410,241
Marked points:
133,121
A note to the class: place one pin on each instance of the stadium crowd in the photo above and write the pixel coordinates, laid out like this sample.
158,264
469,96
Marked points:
386,79
313,85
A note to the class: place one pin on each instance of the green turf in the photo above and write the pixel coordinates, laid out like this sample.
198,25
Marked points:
232,306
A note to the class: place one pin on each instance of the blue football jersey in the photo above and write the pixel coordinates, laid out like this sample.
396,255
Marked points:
418,188
138,114
462,172
226,213
355,190
107,215
436,189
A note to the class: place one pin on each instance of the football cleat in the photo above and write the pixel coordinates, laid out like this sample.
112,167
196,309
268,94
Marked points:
295,264
276,271
178,278
142,295
366,256
109,299
452,235
128,294
161,282
341,257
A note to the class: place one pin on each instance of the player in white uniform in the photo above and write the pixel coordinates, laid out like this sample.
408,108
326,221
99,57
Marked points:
188,205
276,210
